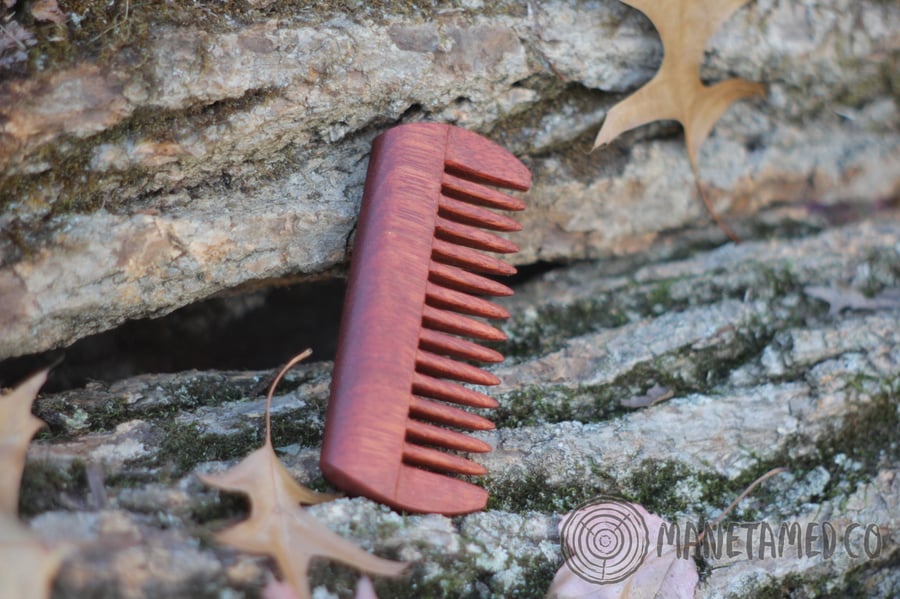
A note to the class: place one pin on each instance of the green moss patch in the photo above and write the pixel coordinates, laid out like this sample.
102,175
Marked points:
532,493
184,445
47,487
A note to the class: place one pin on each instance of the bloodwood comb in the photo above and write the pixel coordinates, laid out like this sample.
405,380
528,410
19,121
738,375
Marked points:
415,282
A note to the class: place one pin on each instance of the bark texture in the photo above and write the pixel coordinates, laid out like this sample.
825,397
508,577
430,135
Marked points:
154,154
758,369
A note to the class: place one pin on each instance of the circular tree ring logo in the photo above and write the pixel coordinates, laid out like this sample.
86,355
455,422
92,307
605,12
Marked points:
604,540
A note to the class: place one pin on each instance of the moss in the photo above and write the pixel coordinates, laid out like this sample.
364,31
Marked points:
711,366
533,493
551,325
779,282
654,485
184,445
660,487
660,296
208,510
461,575
867,437
539,574
206,391
47,486
98,31
863,581
540,404
112,412
791,585
297,428
516,131
72,185
787,228
684,370
320,485
865,440
874,79
657,485
58,411
554,324
576,162
882,271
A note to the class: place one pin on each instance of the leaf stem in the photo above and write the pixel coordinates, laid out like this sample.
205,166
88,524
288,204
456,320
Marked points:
712,213
293,362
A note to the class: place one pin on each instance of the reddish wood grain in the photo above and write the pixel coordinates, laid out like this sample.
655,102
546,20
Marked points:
387,433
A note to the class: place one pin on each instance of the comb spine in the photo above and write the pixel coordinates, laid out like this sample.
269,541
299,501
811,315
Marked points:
364,439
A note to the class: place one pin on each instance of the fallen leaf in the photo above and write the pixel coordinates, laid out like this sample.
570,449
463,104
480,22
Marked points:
365,589
275,589
654,395
842,298
657,575
277,526
676,91
14,43
48,10
27,566
17,426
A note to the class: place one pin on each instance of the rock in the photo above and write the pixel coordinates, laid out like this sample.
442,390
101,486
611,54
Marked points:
761,373
152,158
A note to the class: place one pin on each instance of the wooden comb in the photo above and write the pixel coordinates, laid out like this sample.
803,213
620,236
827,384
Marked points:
415,281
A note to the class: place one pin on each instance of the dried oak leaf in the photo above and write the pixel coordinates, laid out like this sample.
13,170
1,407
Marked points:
278,526
48,10
27,565
14,43
676,91
17,426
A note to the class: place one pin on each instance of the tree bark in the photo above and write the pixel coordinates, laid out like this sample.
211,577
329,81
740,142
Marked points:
152,156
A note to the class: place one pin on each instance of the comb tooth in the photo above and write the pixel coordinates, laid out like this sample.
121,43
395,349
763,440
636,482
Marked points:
451,276
479,194
469,258
451,369
462,302
444,414
475,215
458,348
450,322
473,237
432,458
481,159
422,432
452,392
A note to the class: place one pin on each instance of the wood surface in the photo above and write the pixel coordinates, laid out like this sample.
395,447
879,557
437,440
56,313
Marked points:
418,270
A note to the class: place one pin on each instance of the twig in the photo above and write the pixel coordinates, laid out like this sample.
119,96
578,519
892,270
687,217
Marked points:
740,498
